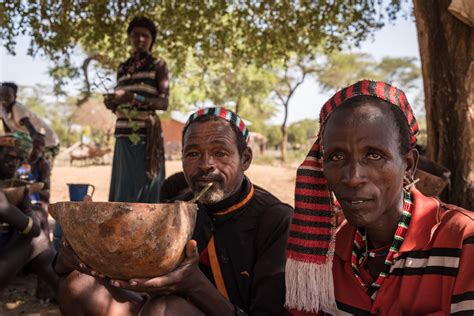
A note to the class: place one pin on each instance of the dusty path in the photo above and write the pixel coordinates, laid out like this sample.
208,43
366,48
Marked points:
19,299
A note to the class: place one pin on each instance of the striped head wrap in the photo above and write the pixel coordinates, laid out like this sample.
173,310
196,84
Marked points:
18,140
223,113
309,281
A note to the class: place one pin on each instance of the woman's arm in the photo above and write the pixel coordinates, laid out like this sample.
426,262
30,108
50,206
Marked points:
159,102
162,85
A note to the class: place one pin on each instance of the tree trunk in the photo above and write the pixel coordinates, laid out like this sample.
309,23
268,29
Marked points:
284,143
284,133
447,50
68,134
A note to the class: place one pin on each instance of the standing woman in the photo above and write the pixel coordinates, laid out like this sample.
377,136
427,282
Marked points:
142,88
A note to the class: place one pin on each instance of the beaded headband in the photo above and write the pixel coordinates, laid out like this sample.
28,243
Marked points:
223,113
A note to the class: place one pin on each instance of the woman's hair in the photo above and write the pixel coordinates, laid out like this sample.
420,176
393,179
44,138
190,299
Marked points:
141,21
399,118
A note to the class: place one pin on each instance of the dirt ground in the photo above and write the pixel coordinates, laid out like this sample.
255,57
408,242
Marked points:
278,180
19,298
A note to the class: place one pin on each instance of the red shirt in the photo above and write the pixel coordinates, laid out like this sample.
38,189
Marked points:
433,273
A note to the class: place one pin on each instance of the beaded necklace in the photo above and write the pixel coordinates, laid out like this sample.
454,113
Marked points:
359,250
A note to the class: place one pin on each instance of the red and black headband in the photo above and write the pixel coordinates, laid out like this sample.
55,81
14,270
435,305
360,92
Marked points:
378,89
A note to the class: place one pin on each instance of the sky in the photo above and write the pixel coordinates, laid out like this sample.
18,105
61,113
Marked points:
395,39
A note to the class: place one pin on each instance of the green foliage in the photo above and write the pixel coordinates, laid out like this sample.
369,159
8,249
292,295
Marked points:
342,69
41,100
298,156
243,88
273,134
290,74
422,137
66,136
264,160
403,70
130,114
248,55
302,132
338,70
244,32
32,99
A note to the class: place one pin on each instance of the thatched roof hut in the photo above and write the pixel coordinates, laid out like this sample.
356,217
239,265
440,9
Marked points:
93,113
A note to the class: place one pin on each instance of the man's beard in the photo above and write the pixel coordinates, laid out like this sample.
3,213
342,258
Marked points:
215,193
213,196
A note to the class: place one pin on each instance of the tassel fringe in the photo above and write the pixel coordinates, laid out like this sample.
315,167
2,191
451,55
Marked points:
309,286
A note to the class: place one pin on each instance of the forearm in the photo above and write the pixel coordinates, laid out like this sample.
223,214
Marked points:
151,103
18,220
46,179
208,299
44,195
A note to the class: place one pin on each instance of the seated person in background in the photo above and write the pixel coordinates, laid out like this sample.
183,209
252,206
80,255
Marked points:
21,239
17,117
174,186
400,252
40,169
234,265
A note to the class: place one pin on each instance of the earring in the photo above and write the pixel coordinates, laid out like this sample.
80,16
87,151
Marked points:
409,183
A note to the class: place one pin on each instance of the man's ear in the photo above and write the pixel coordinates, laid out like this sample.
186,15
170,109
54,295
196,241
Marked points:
411,159
246,158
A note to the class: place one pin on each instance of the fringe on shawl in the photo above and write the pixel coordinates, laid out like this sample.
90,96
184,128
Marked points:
309,286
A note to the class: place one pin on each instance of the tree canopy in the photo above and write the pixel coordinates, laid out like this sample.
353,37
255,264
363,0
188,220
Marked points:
243,88
255,32
339,70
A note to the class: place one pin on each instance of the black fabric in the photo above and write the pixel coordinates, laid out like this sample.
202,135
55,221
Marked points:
121,131
251,249
129,182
